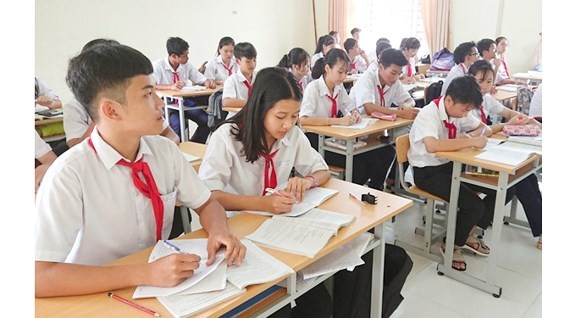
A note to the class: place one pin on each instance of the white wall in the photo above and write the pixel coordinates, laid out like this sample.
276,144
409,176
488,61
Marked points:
272,26
520,21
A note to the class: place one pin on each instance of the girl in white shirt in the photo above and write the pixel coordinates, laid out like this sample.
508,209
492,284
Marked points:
297,62
325,43
503,75
223,65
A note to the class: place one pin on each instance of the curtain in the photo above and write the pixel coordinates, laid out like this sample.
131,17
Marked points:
435,15
341,18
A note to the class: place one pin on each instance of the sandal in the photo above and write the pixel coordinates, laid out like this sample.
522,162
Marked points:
458,262
539,244
476,246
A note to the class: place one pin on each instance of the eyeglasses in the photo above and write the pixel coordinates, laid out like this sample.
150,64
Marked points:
473,54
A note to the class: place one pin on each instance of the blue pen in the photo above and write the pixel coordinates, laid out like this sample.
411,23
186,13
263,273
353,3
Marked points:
172,247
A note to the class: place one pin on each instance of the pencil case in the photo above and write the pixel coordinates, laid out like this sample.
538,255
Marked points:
521,130
383,116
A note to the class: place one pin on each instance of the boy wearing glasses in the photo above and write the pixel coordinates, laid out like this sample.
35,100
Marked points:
465,54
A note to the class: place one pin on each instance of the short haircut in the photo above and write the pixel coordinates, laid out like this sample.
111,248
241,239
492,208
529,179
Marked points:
465,90
410,43
245,49
381,46
333,33
104,71
100,41
176,46
349,44
484,45
462,51
332,57
481,66
297,56
382,40
271,85
324,40
355,30
392,56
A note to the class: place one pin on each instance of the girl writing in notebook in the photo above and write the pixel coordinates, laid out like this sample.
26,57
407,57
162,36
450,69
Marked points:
256,150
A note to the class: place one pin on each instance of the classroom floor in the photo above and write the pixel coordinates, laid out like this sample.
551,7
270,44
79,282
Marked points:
426,294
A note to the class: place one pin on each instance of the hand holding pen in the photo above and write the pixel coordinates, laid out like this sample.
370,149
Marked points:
278,201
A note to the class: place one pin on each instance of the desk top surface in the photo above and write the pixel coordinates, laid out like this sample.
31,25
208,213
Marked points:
468,156
350,133
367,216
195,149
188,93
501,95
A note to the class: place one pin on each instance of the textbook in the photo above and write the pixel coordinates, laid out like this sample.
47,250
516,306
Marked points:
304,235
190,157
362,124
529,140
312,198
182,306
194,246
510,153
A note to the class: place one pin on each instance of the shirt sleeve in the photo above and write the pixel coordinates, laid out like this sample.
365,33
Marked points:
44,90
425,125
194,75
310,101
230,90
192,192
210,72
42,147
400,94
157,73
308,160
346,103
468,123
215,169
362,93
75,120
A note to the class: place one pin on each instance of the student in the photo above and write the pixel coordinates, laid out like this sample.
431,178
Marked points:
77,123
503,76
45,96
257,149
464,55
355,32
325,43
326,102
237,87
410,47
336,37
446,124
219,68
89,211
535,109
488,50
173,72
44,158
297,62
380,46
527,190
359,60
372,56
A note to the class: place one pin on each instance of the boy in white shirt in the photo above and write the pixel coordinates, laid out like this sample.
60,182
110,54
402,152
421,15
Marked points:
93,206
465,54
358,58
410,47
238,86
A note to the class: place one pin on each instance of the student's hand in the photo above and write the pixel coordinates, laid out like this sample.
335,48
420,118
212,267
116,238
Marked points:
418,77
235,251
297,186
44,101
407,80
177,86
278,204
172,270
346,120
40,172
479,142
355,116
210,84
519,120
493,90
409,113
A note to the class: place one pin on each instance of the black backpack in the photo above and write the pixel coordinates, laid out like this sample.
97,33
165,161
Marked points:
433,91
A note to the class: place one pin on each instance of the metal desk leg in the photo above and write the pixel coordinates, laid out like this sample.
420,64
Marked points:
378,273
451,219
322,145
349,159
183,136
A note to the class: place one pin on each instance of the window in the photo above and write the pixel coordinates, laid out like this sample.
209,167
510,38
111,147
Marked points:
394,20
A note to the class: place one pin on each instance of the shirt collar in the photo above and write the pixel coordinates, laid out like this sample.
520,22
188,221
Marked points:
109,156
242,78
443,114
324,90
385,88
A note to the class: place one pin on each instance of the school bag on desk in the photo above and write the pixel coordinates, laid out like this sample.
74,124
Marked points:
442,60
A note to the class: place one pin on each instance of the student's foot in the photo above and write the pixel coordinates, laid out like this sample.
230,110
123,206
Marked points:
539,244
458,262
477,246
390,182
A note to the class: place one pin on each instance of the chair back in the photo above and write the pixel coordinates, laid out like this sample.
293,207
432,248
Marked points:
402,147
433,91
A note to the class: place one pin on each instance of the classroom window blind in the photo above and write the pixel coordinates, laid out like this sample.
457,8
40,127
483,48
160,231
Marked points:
394,20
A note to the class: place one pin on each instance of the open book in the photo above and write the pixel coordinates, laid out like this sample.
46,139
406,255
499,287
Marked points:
510,153
190,157
312,198
529,140
362,124
295,235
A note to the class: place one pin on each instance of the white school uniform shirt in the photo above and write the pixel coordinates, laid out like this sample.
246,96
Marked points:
373,66
412,64
42,147
536,103
360,64
88,210
457,71
502,71
316,103
76,120
490,106
216,71
429,123
365,90
164,73
234,86
315,58
44,90
225,168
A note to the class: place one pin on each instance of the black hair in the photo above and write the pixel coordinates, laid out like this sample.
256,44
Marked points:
499,39
324,40
355,30
333,33
382,40
462,51
333,57
226,40
349,44
484,45
99,41
481,66
410,43
392,56
465,90
381,46
245,49
104,70
297,56
271,85
176,46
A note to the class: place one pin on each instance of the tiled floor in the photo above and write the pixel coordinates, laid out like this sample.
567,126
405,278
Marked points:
426,294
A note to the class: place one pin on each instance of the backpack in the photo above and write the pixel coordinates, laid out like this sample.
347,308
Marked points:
442,60
433,91
215,113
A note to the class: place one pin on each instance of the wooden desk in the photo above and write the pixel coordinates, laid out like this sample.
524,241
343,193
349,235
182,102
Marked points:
508,176
502,96
195,149
367,217
351,135
232,109
529,77
180,108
